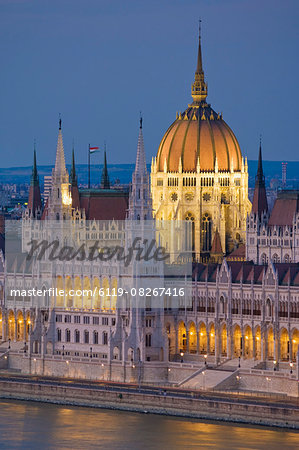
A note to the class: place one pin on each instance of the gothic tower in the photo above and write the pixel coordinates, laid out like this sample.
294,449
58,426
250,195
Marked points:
60,200
140,204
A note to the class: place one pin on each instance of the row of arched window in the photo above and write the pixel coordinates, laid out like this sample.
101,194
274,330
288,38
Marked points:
87,339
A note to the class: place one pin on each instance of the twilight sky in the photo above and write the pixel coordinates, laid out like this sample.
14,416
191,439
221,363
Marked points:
99,62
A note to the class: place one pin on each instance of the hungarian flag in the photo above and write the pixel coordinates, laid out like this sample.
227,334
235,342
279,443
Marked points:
93,149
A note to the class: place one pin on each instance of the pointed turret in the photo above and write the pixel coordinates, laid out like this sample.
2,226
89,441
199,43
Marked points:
60,201
60,169
216,253
105,182
140,166
199,89
140,204
34,201
260,204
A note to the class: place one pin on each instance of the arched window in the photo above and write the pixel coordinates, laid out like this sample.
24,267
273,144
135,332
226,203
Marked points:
95,337
77,336
105,338
268,308
206,233
67,335
86,337
148,340
287,259
264,259
275,258
58,335
190,232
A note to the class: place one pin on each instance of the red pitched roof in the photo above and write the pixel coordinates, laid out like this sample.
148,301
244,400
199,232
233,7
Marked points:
285,206
104,204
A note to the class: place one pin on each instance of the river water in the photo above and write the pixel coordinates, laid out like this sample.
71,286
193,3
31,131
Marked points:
29,425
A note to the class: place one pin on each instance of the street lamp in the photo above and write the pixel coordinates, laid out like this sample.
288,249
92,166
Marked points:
182,354
291,366
8,343
239,361
90,352
25,347
274,362
205,356
203,381
63,350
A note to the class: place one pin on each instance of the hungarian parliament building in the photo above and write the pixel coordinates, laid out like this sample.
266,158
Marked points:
229,292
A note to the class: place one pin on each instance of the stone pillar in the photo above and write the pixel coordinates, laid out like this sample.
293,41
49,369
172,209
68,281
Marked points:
208,343
4,328
229,343
24,326
253,347
176,345
187,340
276,348
290,349
16,329
217,345
197,342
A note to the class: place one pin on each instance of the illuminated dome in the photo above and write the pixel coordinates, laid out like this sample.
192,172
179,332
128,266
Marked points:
199,135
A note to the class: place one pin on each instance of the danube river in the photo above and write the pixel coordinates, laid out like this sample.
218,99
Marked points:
29,425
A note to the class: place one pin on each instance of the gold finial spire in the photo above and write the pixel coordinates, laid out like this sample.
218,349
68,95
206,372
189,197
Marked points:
199,89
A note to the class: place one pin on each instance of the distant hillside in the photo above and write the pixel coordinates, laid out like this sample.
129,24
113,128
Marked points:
123,172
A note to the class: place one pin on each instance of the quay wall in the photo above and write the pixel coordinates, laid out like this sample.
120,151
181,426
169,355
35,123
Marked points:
226,409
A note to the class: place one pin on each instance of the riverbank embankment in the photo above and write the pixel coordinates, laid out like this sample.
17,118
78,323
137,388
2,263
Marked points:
255,411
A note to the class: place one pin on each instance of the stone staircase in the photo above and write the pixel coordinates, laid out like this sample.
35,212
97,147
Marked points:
206,379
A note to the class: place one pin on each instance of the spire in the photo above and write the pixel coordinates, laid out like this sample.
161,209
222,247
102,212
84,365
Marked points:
60,168
34,200
140,204
140,166
199,89
259,203
73,170
105,183
34,175
260,175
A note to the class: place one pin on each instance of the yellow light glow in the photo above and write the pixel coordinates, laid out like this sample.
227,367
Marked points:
246,337
257,338
212,334
201,334
294,341
191,333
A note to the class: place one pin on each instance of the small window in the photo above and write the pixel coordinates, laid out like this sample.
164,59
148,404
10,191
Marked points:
86,337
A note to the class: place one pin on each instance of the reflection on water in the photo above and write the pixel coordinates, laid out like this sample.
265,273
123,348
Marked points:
29,425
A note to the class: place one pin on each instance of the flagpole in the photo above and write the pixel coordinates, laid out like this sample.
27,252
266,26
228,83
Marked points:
88,166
